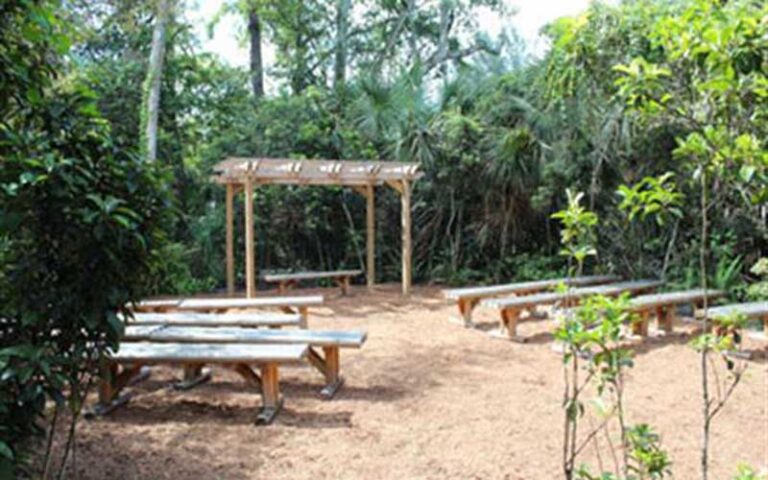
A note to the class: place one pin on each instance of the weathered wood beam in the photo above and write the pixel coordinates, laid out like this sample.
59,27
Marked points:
370,236
405,199
250,251
230,239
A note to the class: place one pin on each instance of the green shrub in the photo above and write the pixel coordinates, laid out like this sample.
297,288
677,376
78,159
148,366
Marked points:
80,224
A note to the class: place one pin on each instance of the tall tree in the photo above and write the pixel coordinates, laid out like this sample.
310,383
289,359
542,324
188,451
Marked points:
154,77
257,65
342,33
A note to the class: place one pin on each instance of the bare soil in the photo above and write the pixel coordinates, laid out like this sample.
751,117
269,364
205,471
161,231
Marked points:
423,399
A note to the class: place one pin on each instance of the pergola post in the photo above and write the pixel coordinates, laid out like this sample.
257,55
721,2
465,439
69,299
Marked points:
370,236
230,239
250,261
405,202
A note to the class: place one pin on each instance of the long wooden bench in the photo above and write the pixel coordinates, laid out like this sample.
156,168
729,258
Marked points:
287,280
328,363
664,306
298,305
194,319
118,370
752,310
468,298
157,305
510,308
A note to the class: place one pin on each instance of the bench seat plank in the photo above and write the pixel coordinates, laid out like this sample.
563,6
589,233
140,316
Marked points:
281,277
184,353
157,305
196,319
749,310
526,301
286,280
673,298
205,304
524,287
347,339
298,305
614,289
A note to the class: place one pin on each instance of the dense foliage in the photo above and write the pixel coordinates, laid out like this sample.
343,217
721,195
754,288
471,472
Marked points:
499,135
80,221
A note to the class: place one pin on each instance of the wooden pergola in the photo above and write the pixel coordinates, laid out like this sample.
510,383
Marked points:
244,174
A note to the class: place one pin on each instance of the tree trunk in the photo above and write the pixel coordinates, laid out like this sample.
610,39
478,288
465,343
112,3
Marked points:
446,23
342,28
257,68
154,77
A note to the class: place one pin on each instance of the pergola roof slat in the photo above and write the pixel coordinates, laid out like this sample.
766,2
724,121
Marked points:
235,170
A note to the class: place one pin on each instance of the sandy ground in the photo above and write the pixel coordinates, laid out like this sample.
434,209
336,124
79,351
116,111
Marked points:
423,399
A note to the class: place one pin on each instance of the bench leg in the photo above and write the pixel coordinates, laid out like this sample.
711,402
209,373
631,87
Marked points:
194,375
640,326
270,395
465,310
329,365
112,382
304,312
285,285
665,318
508,327
333,378
343,284
108,376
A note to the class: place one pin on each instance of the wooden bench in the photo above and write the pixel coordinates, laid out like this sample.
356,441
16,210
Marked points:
510,308
159,305
751,310
664,306
328,341
468,298
194,319
287,280
298,305
118,370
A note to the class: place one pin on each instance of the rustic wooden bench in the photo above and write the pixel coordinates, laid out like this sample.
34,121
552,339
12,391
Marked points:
327,363
158,305
194,319
118,370
298,305
468,298
664,306
511,308
758,310
287,280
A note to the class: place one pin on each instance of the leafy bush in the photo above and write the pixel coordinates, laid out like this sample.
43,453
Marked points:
81,221
759,289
